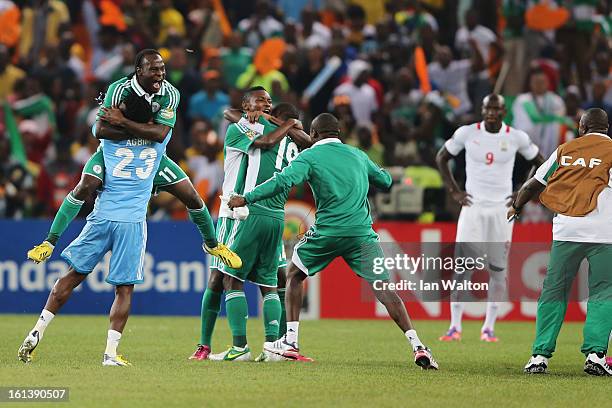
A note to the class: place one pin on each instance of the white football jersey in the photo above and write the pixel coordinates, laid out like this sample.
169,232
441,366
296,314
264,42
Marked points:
489,159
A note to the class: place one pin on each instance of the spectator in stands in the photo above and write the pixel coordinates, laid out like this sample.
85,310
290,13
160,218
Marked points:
311,31
573,112
514,46
71,53
603,72
252,77
597,100
357,30
118,66
57,178
36,140
234,58
341,108
540,113
206,26
40,25
16,185
205,168
451,78
9,74
260,26
207,103
310,67
361,94
181,73
106,45
365,141
171,22
482,36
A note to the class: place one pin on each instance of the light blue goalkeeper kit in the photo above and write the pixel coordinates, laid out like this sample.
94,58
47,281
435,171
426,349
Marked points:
118,221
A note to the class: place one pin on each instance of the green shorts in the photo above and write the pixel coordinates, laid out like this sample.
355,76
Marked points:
168,172
314,252
258,241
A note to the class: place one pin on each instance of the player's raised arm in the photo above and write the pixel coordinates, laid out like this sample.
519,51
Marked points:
271,139
297,134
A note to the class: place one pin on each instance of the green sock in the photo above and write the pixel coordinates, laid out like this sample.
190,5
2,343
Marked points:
68,210
211,304
201,218
271,315
237,314
282,329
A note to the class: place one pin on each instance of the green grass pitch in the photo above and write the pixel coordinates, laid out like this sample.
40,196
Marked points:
358,363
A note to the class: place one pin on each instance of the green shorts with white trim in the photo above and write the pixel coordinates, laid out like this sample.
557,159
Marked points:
315,251
258,241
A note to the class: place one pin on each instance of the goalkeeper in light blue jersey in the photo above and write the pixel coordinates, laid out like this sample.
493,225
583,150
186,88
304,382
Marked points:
118,221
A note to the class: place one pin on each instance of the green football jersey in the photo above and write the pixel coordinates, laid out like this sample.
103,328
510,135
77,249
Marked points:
339,176
163,103
246,167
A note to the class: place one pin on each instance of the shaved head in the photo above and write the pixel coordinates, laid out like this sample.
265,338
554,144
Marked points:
594,120
324,126
494,97
493,112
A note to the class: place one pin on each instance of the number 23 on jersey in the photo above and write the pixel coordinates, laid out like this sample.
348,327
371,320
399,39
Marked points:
149,155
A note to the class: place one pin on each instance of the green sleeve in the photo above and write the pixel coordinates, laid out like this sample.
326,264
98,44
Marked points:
239,137
114,93
296,173
377,175
166,115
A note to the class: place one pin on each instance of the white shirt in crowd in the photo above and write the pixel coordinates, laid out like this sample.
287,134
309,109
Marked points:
453,80
481,34
544,135
363,101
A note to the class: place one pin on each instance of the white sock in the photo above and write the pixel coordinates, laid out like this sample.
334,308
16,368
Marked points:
413,338
456,309
292,332
43,321
491,316
112,342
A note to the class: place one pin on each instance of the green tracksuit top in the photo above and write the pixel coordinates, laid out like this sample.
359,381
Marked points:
339,176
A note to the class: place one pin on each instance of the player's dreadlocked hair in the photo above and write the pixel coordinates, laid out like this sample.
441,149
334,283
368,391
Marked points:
285,111
136,108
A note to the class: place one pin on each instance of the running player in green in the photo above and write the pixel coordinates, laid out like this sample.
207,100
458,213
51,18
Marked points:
339,176
249,149
146,87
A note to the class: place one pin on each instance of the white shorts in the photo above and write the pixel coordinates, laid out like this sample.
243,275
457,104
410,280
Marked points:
487,225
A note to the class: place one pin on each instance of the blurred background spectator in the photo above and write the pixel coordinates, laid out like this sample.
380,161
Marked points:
401,75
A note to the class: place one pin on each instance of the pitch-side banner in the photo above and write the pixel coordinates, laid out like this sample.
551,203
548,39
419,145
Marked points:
175,269
343,295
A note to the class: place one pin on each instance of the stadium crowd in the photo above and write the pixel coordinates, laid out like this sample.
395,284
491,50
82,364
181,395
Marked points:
409,73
